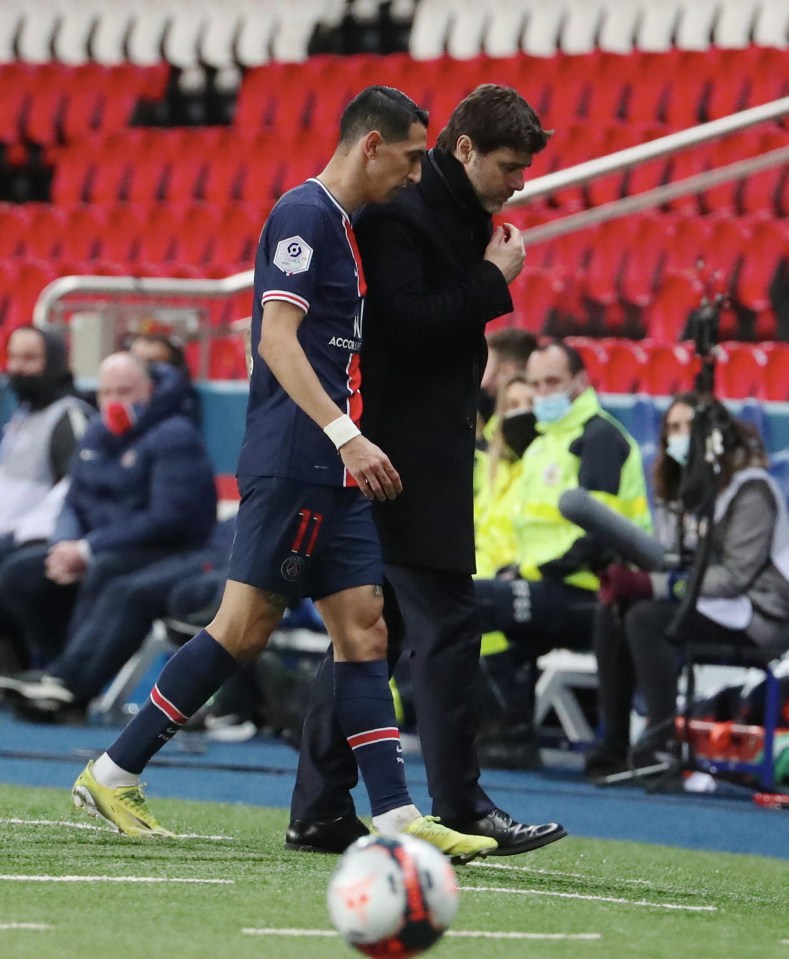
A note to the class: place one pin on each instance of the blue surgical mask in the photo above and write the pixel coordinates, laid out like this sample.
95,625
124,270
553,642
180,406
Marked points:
550,408
678,448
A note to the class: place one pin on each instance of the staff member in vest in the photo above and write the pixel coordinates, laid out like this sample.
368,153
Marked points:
743,596
36,448
547,599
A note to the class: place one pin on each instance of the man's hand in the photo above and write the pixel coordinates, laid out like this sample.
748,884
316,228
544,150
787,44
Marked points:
371,469
65,562
506,251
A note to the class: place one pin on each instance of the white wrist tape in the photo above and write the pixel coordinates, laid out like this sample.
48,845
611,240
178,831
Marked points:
342,430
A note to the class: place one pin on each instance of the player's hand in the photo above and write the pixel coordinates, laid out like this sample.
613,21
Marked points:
506,250
371,469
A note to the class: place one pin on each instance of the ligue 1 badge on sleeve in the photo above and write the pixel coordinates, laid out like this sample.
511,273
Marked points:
293,255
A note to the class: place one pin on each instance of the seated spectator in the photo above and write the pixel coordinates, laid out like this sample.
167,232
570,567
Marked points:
120,620
509,350
154,348
159,348
743,596
141,488
547,597
37,445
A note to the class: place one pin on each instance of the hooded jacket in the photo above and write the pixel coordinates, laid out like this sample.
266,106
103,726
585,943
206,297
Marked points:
151,487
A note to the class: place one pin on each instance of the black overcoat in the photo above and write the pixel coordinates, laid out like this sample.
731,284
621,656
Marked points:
429,297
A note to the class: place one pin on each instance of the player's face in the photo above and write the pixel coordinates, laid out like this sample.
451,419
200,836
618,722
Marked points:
494,176
396,164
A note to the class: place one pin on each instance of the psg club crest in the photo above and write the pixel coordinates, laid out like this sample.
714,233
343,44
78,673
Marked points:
293,255
293,567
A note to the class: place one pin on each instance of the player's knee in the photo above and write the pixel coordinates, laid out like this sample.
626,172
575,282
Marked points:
375,640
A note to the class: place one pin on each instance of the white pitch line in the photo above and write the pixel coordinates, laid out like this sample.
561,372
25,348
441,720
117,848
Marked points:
34,926
89,826
137,879
555,873
577,895
454,933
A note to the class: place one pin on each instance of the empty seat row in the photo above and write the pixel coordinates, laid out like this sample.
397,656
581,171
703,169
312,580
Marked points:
197,234
678,88
219,163
541,27
183,32
741,370
215,164
51,103
643,272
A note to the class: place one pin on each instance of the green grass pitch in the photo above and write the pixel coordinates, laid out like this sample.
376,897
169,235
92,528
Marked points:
247,897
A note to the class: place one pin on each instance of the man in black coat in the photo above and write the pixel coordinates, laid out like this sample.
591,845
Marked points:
437,272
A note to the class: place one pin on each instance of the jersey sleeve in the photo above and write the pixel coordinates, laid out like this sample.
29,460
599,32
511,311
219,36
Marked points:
289,255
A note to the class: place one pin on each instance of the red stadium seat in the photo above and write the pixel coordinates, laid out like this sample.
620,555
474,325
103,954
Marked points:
536,295
679,295
767,246
31,276
644,249
197,232
594,356
236,236
121,240
160,235
14,225
45,237
669,369
625,365
776,373
740,371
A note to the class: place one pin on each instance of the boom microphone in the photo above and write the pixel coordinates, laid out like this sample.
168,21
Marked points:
625,537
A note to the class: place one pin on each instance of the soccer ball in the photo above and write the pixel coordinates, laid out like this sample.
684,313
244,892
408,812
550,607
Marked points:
392,896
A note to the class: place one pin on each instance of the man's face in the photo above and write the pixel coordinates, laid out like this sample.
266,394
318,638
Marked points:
121,382
494,176
548,371
393,165
26,354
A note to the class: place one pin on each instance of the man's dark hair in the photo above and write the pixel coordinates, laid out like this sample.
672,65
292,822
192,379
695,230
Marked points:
493,117
575,361
385,109
512,344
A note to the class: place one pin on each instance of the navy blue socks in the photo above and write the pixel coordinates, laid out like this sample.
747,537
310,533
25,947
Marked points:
188,681
365,712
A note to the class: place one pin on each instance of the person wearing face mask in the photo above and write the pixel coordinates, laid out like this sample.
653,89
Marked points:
141,488
743,596
506,738
36,448
546,598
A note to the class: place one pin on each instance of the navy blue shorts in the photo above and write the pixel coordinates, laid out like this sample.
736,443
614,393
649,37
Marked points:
298,539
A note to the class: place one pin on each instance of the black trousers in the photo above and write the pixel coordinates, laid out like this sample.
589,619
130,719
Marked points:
656,660
433,617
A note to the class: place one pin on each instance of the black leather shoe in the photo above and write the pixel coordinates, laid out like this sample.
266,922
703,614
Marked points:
332,835
513,837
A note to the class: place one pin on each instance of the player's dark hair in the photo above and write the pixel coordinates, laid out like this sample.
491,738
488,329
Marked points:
493,117
385,109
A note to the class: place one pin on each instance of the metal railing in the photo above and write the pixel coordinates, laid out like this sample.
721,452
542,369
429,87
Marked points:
158,287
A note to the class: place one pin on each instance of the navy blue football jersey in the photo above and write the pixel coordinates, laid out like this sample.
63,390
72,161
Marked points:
307,256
